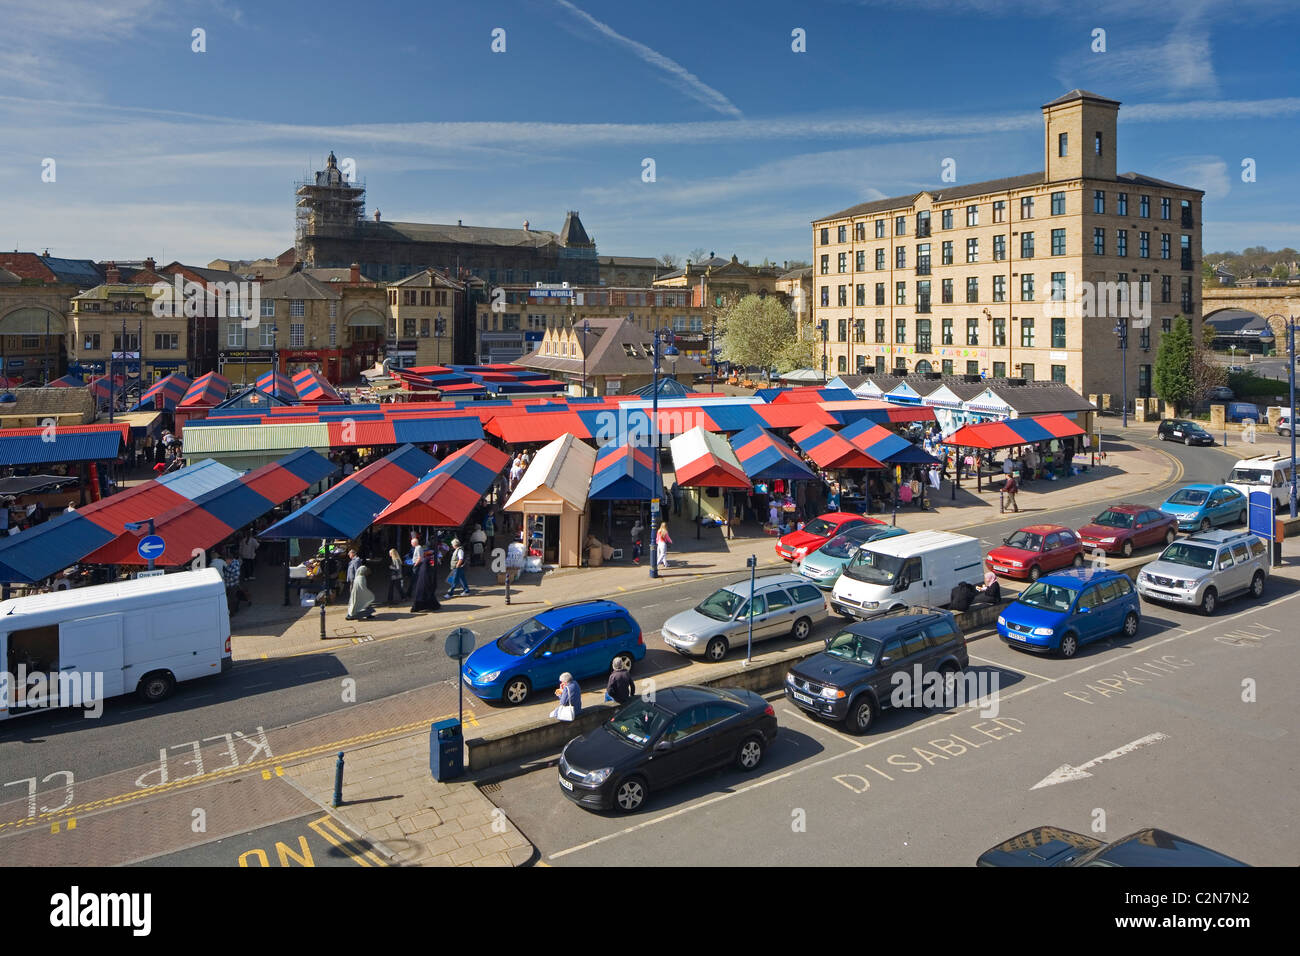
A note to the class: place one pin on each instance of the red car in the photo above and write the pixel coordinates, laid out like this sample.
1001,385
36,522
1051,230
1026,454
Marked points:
1121,528
818,531
1036,550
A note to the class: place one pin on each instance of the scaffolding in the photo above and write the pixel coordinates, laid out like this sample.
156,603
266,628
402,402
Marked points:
328,206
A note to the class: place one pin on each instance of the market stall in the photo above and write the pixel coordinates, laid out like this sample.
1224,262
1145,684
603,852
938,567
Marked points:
552,497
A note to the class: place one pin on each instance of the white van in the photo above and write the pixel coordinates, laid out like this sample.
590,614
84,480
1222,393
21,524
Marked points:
144,635
920,568
1271,473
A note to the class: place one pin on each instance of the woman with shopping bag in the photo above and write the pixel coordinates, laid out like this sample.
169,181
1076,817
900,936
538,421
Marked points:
570,695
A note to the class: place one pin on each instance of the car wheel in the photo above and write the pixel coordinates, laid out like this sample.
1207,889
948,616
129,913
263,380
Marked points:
1127,549
1205,524
1257,585
630,794
1241,518
1034,572
625,658
1187,442
1069,644
1130,624
1078,560
950,674
802,628
1162,436
860,716
156,686
517,690
716,649
750,754
1209,601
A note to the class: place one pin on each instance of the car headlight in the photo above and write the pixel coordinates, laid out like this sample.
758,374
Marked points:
597,777
800,552
488,678
1110,540
832,693
1044,631
789,677
1015,564
1002,620
871,604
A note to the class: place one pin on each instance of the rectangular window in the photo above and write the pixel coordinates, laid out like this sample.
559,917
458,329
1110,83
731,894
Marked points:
297,336
1144,245
1144,337
1058,286
1000,211
1144,289
1121,204
860,330
1098,201
1121,243
972,331
860,261
923,296
166,341
1058,242
843,234
1186,299
1164,208
1166,325
880,258
1144,207
946,253
90,342
923,335
826,264
1058,333
922,224
1026,245
860,294
880,330
1098,241
1164,246
842,295
900,257
408,328
946,287
1097,143
880,229
880,293
1026,207
842,330
972,367
297,308
946,366
334,334
1027,333
900,293
860,231
268,336
946,217
999,288
1027,287
999,248
1058,373
1058,204
1185,249
826,236
826,295
1027,371
972,289
999,369
973,215
923,258
900,225
1062,144
843,262
972,250
1165,289
234,335
426,296
945,331
268,308
999,331
900,331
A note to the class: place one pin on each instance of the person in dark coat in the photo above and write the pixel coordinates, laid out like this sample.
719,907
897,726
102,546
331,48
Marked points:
424,592
620,687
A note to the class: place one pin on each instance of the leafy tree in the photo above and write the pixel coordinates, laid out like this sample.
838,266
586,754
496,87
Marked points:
1172,378
801,352
1208,334
755,331
1281,271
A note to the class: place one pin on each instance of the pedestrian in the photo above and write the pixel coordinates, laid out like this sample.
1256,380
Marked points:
833,499
620,687
218,562
248,555
662,541
424,589
676,493
361,602
457,575
396,578
570,695
1009,488
354,562
477,542
490,529
230,574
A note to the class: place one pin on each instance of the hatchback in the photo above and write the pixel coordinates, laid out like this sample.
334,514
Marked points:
583,639
1189,433
1198,507
1203,568
823,566
784,605
1063,611
1121,528
647,745
1032,551
818,531
1054,846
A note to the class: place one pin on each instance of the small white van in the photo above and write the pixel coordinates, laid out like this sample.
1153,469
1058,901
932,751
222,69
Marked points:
79,646
1271,473
920,568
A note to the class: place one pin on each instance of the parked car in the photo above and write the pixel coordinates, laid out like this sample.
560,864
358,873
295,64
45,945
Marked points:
823,566
1197,507
583,639
1283,424
818,531
784,605
853,679
649,745
1203,568
1270,473
1031,551
1243,412
1122,528
1054,846
1179,429
1061,612
920,568
1236,369
1221,393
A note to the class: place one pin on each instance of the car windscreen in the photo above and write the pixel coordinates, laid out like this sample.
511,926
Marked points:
1114,519
639,722
1191,555
820,527
1025,540
853,647
867,565
720,605
522,638
841,546
1188,496
1251,476
1049,597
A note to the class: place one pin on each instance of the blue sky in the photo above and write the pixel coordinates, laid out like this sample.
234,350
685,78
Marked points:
166,152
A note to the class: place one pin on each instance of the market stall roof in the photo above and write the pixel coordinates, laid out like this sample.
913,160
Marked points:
195,526
30,484
704,459
230,435
445,497
350,506
277,383
855,410
884,445
63,443
206,391
1013,431
557,479
829,450
765,457
53,545
802,395
312,388
164,394
622,472
68,381
794,415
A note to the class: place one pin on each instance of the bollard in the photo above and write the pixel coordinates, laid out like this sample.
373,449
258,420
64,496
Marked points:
338,781
322,621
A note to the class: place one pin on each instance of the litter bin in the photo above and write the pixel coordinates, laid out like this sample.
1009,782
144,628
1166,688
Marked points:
446,750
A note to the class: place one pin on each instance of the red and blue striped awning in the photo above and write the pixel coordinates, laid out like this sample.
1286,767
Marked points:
105,389
1013,431
794,415
766,458
274,382
164,394
349,507
622,473
195,526
445,497
811,394
53,545
206,390
850,412
314,389
829,450
883,445
67,381
703,459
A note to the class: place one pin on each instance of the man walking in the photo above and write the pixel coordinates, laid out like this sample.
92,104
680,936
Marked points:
1009,489
457,576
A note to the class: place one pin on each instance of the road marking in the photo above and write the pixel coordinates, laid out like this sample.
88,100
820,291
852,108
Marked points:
265,683
374,660
414,653
1007,667
1066,773
326,828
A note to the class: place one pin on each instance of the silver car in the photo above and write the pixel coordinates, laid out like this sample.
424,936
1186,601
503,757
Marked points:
784,604
1201,569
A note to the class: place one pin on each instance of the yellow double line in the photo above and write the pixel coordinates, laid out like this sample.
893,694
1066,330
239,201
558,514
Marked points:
332,833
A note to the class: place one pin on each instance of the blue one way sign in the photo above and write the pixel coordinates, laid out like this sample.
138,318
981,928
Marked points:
151,546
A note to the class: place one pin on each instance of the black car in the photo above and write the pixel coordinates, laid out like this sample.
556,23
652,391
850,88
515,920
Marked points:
1052,846
1189,433
853,679
649,745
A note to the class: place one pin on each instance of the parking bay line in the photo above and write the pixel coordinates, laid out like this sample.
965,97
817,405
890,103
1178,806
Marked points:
925,724
1007,667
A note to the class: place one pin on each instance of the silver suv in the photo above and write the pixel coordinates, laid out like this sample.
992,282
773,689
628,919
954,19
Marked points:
1203,568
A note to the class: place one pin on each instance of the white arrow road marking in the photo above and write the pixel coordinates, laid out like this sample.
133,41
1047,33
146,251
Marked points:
1066,773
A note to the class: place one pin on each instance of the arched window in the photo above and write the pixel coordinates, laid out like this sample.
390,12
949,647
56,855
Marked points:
922,367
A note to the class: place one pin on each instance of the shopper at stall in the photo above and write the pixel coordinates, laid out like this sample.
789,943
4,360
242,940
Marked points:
361,602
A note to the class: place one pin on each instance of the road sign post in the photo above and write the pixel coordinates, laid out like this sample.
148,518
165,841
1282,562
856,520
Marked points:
150,547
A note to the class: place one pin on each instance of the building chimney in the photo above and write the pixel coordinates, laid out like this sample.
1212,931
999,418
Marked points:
150,264
376,215
354,276
460,222
111,274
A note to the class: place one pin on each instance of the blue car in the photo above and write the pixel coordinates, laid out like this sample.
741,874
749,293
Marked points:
1062,611
583,639
1199,507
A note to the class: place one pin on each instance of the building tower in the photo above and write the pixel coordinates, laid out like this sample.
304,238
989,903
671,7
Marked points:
1079,137
329,206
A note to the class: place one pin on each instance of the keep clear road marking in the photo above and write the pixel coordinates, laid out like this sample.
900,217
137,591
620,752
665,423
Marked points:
925,724
1067,773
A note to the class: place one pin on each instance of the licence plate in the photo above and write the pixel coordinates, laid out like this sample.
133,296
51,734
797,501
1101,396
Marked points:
565,784
802,697
998,567
1017,635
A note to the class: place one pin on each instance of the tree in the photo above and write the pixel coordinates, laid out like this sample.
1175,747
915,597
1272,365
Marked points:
669,260
696,255
1206,375
799,353
1208,334
1281,271
755,331
1172,378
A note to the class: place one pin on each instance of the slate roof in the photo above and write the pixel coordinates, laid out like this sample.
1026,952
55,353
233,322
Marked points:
607,355
458,235
298,285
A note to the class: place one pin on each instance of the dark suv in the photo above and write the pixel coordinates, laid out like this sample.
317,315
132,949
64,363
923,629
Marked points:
1179,429
853,679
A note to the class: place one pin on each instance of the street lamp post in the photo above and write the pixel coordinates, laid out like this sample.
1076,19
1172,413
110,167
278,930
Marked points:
275,361
656,487
1121,333
825,330
1290,351
586,327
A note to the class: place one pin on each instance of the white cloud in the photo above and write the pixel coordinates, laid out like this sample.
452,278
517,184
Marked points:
1209,173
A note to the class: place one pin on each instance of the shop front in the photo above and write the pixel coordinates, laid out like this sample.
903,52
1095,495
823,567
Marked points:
245,365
